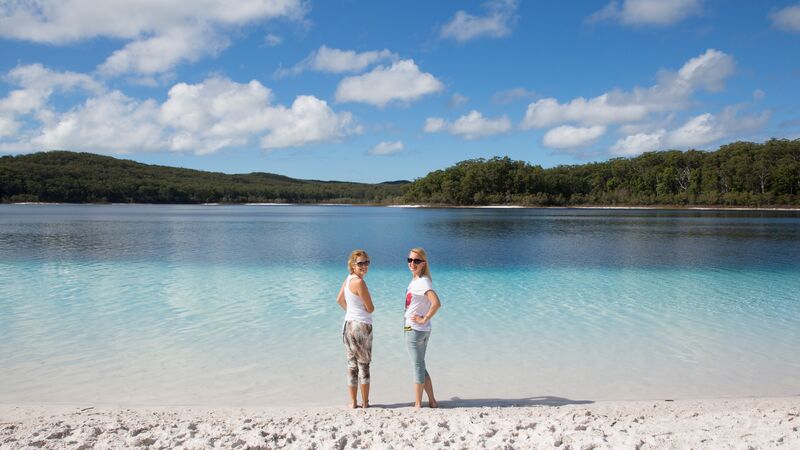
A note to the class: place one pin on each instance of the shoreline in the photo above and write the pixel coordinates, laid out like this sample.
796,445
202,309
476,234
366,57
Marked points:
432,206
700,423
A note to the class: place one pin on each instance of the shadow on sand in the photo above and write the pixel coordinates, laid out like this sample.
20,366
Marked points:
457,402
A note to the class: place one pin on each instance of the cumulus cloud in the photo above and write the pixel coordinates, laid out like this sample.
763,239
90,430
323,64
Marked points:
434,125
697,131
220,113
333,60
161,53
568,137
201,118
495,24
159,35
707,128
272,40
673,91
36,85
401,82
639,143
470,126
787,19
599,110
386,148
309,121
457,100
111,123
512,95
648,12
66,21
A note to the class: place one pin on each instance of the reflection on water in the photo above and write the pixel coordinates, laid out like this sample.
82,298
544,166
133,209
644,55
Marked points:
236,304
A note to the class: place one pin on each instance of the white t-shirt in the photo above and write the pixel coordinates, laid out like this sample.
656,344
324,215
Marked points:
417,304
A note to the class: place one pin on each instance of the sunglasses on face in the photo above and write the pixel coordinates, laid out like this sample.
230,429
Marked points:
415,261
362,263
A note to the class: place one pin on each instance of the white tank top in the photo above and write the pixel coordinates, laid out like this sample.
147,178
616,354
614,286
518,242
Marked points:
356,311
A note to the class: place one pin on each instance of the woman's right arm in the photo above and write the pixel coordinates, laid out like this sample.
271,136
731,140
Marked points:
340,298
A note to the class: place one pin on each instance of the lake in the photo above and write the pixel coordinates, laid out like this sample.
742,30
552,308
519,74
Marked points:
235,305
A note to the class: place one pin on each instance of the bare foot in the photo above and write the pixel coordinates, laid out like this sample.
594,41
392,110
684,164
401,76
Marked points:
417,406
353,406
433,404
365,405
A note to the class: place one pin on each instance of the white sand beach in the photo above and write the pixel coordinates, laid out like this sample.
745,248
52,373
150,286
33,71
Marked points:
540,423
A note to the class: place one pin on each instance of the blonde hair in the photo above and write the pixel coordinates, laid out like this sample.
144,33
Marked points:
351,261
426,270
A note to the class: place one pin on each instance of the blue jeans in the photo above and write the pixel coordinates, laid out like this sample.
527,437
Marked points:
417,343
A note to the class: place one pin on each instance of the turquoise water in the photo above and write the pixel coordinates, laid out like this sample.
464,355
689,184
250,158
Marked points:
235,305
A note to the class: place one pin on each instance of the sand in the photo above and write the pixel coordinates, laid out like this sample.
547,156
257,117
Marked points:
713,424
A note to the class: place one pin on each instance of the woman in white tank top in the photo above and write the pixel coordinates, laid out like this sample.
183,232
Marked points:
354,298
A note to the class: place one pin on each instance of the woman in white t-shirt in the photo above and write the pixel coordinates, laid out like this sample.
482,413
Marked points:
354,298
421,305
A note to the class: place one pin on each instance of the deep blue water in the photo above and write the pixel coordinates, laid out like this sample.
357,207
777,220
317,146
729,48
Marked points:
236,304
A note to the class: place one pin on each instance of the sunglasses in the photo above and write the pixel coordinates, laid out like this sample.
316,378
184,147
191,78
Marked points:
363,264
415,261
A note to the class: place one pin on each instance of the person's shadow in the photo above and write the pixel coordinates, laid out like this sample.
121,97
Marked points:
457,402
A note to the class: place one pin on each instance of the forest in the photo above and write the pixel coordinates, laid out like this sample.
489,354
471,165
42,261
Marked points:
69,177
739,174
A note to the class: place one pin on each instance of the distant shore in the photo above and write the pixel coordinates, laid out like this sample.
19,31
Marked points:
711,423
434,206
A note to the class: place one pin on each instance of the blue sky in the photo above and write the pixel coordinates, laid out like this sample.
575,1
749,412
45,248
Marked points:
376,91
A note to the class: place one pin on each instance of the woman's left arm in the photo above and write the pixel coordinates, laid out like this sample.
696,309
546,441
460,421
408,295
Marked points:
435,305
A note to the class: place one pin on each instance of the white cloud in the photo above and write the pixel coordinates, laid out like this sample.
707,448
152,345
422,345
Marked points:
599,110
401,82
36,76
272,40
673,91
697,131
512,95
309,121
8,126
568,137
434,125
221,113
648,12
386,148
470,126
66,21
160,35
787,19
333,60
639,143
111,122
161,53
457,100
201,118
496,23
707,128
37,85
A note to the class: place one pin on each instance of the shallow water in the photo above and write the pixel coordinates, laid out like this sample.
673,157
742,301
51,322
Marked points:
235,305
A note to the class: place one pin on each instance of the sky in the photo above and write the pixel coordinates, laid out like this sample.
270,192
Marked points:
373,91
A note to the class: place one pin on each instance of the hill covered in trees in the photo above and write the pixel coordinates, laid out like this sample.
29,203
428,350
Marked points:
61,176
738,174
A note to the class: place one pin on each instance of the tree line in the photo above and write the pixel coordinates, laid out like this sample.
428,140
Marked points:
737,174
69,177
